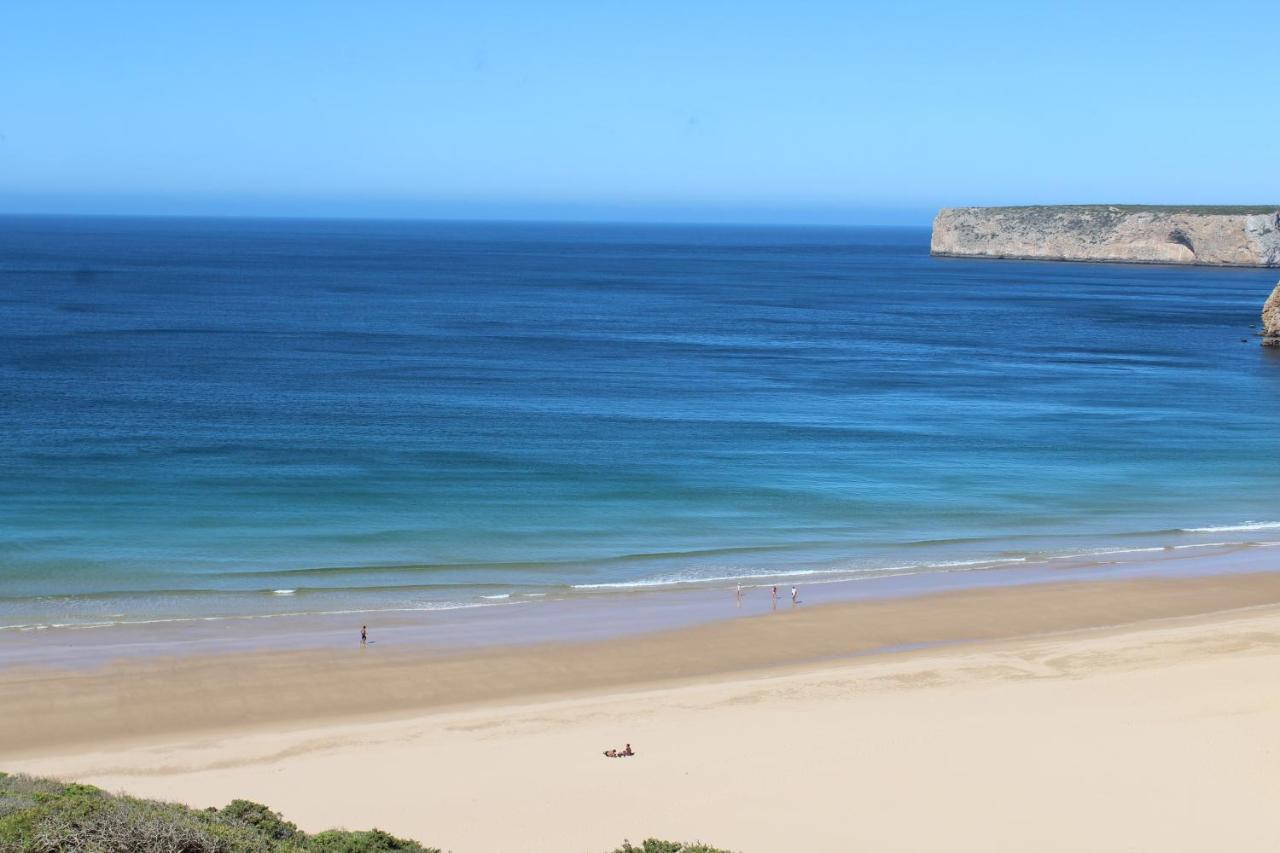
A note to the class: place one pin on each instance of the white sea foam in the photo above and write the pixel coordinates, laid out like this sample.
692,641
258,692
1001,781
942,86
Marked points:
1105,552
681,580
1242,527
961,564
425,608
756,578
847,573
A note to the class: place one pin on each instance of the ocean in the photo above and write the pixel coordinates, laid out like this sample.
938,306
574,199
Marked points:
209,418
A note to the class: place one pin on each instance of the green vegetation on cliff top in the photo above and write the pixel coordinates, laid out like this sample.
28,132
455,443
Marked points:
44,816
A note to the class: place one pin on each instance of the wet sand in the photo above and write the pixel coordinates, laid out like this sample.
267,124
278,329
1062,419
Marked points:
46,708
1125,715
580,618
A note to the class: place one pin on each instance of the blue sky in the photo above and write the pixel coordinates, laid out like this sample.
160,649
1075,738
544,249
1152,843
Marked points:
780,112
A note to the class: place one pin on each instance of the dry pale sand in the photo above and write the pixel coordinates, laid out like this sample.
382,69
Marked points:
1162,733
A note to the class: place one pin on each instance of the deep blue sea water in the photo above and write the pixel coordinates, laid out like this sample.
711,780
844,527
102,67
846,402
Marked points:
229,417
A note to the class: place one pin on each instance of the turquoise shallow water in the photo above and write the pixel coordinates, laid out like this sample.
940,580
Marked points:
232,417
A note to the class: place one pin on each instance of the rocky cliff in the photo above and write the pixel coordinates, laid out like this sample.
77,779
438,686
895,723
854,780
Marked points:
1228,236
1271,320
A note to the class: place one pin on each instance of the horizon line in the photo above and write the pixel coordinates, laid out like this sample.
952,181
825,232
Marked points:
493,220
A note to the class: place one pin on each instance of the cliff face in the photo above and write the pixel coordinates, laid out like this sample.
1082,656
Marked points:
1227,236
1271,320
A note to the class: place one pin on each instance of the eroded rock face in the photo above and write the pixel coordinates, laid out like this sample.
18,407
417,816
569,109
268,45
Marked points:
1224,236
1271,320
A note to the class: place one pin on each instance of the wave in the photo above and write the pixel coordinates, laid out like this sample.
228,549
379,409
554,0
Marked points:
1242,527
848,571
1106,552
198,593
424,608
210,602
940,566
532,565
592,564
956,564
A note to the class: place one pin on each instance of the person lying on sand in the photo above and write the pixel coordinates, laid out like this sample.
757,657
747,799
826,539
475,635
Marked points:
611,753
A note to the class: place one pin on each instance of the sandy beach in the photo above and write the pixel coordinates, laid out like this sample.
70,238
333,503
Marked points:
1138,715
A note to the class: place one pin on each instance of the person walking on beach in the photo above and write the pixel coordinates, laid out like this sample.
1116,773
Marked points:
795,596
738,597
364,634
773,596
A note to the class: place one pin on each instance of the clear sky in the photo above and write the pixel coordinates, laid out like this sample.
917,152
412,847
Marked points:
682,111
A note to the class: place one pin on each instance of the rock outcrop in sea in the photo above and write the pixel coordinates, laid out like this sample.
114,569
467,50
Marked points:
1271,320
1223,236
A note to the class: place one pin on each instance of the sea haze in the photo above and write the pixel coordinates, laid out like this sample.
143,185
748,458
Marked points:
204,418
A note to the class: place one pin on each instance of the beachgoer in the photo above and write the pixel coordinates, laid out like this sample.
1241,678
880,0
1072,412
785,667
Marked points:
628,751
795,595
611,753
364,634
739,595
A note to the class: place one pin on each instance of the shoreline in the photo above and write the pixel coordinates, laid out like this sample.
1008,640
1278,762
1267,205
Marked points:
1154,731
593,616
47,708
292,595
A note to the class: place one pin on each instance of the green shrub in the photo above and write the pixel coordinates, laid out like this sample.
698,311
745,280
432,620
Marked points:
44,816
83,818
19,792
655,845
259,818
372,841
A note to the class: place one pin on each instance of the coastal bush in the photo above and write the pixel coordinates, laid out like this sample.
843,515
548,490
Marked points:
371,841
655,845
44,816
84,818
19,792
260,819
